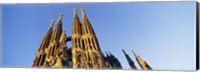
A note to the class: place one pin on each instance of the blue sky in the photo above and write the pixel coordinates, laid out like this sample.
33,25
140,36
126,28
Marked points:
162,33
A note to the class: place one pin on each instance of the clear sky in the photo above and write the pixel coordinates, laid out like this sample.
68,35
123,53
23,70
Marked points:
161,33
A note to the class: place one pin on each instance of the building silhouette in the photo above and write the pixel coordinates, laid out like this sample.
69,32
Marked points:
85,48
130,61
111,62
84,52
143,64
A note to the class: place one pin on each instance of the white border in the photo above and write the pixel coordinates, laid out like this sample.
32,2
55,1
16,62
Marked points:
64,1
75,1
66,70
1,47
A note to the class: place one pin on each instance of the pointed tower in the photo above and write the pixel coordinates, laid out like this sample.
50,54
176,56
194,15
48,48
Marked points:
130,61
40,54
91,46
84,53
142,63
78,54
54,43
114,62
107,61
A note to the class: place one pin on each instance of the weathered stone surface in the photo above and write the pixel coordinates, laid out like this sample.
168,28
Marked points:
85,51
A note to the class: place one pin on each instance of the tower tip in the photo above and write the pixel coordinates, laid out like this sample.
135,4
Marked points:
134,53
123,51
60,17
82,10
60,14
75,10
52,22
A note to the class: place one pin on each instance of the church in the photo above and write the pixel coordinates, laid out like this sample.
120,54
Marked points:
85,51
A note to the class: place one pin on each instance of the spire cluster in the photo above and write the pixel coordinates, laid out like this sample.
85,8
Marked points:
141,63
85,51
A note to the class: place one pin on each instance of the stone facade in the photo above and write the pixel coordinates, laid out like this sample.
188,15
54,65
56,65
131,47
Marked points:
84,52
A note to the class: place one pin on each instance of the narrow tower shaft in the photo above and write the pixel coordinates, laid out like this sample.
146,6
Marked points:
52,50
58,30
142,63
44,44
130,61
93,53
78,53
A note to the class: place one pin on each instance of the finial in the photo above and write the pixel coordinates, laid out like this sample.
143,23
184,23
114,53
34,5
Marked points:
75,11
52,20
134,53
51,24
60,17
82,10
60,14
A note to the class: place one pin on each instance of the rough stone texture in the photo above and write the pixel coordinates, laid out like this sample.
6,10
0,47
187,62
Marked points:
84,53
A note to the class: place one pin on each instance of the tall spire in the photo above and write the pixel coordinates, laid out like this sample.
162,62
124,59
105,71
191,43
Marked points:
58,29
54,45
75,11
142,63
76,25
86,24
91,43
51,24
83,11
78,53
45,41
134,53
130,61
44,44
60,17
124,52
